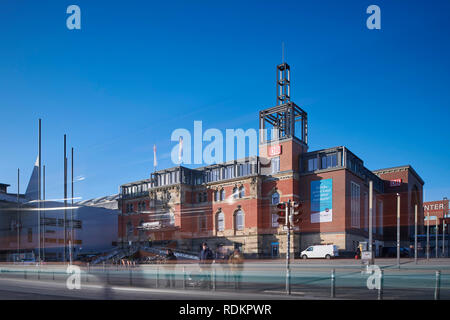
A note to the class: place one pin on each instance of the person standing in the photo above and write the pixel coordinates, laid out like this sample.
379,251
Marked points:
206,259
170,262
236,261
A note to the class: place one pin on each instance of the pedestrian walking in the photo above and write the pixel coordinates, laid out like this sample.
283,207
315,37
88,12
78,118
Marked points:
221,259
411,250
357,253
170,262
206,259
236,261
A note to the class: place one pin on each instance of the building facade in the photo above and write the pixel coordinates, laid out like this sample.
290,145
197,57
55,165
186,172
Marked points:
234,203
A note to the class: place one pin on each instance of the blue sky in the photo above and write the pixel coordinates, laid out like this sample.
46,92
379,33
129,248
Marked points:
137,70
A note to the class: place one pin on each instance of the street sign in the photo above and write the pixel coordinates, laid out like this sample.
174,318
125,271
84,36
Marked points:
366,255
395,183
274,150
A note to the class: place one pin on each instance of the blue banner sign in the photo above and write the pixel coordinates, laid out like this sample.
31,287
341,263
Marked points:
322,201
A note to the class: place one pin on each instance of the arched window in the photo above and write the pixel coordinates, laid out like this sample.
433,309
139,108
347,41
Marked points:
239,220
276,198
216,195
222,195
241,192
220,221
235,193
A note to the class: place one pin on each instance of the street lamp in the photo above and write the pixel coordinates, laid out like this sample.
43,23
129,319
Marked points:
415,233
398,230
428,235
443,226
436,246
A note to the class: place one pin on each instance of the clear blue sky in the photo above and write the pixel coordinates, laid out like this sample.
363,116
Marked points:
139,69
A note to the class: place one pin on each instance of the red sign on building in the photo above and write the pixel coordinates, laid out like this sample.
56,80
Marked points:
395,183
274,150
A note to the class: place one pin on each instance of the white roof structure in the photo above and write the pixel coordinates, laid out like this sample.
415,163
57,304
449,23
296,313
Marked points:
108,202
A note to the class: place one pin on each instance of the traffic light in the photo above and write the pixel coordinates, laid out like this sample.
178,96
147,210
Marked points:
297,212
281,212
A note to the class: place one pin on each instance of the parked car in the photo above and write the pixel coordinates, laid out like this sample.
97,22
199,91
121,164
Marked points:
320,251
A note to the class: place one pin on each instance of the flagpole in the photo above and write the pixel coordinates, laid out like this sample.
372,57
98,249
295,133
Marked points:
155,161
39,195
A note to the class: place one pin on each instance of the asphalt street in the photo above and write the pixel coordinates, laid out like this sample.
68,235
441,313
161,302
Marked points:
260,280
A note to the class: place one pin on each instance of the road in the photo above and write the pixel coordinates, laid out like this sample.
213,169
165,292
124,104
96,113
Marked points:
262,280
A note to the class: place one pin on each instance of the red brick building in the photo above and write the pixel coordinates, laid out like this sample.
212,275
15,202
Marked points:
233,203
437,211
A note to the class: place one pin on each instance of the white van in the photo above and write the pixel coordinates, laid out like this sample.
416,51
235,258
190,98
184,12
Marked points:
321,251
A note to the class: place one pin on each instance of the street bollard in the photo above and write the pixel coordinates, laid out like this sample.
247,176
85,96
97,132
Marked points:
437,289
184,277
157,277
380,288
333,284
214,280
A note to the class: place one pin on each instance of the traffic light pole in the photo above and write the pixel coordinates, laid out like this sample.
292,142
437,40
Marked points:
288,250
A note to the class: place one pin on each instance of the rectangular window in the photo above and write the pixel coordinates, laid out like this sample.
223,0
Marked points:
215,175
312,164
329,161
30,235
355,205
229,172
244,169
224,173
275,164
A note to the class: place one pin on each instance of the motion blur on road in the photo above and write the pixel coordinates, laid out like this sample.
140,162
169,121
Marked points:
259,279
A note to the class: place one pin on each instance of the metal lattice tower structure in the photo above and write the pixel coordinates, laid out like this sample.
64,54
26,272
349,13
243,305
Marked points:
286,119
283,83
